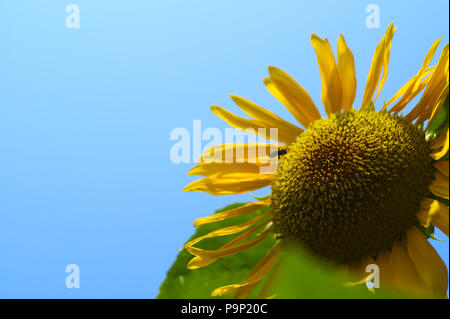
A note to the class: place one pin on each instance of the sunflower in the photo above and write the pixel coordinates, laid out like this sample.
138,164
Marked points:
358,187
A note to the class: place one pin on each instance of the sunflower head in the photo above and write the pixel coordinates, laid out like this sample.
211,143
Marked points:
352,184
355,188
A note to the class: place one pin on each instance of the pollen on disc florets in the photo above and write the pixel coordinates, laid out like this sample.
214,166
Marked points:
351,184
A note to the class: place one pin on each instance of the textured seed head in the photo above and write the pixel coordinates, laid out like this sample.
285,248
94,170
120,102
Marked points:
351,184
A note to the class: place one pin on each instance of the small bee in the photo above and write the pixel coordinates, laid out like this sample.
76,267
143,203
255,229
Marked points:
280,152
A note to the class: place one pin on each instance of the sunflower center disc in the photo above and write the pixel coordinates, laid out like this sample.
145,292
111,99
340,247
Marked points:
351,184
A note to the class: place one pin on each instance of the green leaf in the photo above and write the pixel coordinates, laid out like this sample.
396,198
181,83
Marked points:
445,158
182,283
440,123
261,198
426,231
370,106
301,275
306,277
442,200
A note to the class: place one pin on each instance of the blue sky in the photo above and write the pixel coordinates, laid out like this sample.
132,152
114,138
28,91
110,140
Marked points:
86,115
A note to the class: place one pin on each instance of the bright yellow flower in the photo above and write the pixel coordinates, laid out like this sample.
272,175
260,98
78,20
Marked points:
356,188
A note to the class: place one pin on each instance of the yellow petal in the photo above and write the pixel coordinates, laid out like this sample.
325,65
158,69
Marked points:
208,169
197,262
439,216
404,276
245,290
410,90
432,97
267,117
242,210
380,62
230,230
346,67
252,126
436,108
442,166
230,183
257,153
414,86
386,272
269,288
440,146
386,62
427,263
228,251
358,271
295,98
331,81
439,186
430,54
248,233
272,88
260,271
202,261
424,212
